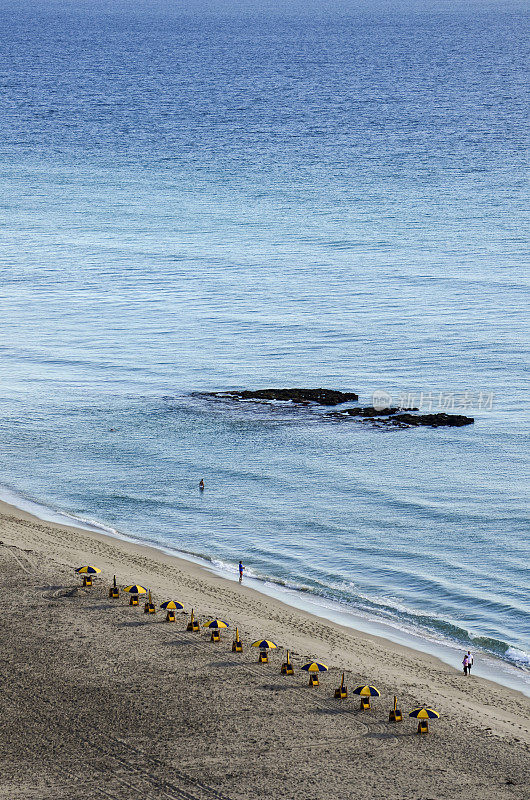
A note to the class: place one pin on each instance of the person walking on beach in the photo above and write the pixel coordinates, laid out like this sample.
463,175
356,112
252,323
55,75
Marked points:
469,662
241,568
465,664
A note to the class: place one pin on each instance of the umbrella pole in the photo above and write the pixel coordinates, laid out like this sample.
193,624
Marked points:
287,667
342,691
147,604
395,714
113,591
237,647
193,625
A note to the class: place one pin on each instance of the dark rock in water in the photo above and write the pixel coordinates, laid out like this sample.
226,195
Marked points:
395,416
379,417
367,412
325,397
431,420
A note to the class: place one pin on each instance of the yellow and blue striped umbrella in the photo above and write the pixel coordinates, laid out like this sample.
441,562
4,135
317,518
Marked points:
424,713
264,644
315,666
174,604
87,570
367,691
135,589
216,624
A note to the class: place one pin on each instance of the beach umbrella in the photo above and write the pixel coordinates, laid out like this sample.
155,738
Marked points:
264,644
173,604
367,691
314,666
214,625
424,713
88,570
135,589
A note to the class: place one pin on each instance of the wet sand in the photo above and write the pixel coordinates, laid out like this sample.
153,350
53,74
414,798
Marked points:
101,700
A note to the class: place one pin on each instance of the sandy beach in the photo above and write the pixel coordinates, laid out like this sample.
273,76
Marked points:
101,700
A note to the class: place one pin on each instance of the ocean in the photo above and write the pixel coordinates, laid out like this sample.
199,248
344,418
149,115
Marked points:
198,198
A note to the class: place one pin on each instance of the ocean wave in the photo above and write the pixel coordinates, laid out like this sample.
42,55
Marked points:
392,613
518,657
341,596
397,615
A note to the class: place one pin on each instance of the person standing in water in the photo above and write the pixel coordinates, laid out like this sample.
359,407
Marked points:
201,485
241,568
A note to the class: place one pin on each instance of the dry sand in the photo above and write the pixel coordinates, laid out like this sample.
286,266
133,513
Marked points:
99,700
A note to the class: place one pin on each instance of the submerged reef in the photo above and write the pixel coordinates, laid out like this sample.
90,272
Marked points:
324,397
404,419
379,417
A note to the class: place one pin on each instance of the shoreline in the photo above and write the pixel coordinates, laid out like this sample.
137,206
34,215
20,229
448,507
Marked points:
488,667
105,693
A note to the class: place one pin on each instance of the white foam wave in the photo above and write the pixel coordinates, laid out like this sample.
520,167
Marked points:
519,657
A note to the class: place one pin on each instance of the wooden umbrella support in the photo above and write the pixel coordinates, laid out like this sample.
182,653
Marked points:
342,692
149,606
193,624
237,646
395,714
287,667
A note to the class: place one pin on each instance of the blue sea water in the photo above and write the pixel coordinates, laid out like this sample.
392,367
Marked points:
196,199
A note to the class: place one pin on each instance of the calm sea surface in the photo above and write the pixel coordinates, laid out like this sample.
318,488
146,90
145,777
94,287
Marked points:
194,202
